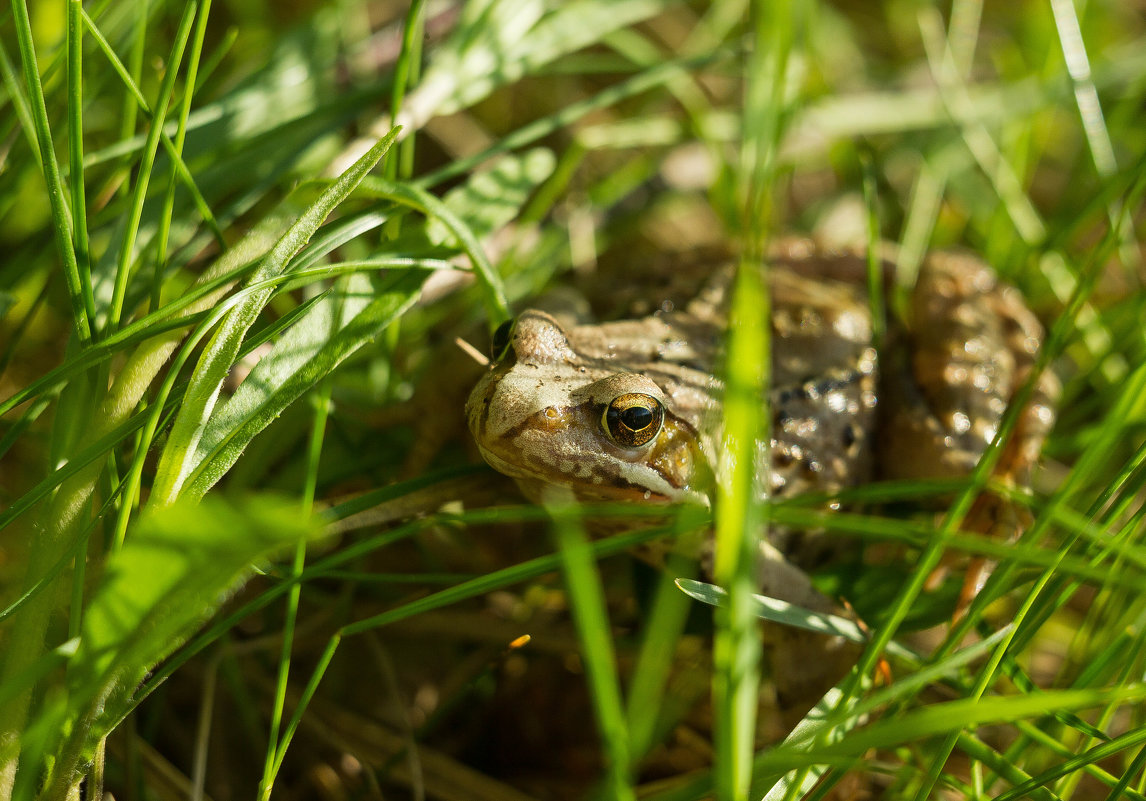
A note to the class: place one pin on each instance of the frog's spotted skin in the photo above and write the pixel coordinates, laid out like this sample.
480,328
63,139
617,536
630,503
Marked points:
537,415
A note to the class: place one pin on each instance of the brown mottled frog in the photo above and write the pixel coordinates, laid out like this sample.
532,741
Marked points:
630,410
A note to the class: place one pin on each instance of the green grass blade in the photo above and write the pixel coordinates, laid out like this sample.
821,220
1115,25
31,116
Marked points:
587,603
1130,739
75,32
176,160
406,70
174,153
663,628
143,176
276,750
736,651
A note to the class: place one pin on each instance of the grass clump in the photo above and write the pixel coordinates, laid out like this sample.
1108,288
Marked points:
237,248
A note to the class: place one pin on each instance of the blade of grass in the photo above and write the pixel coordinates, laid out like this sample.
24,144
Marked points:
662,630
135,62
75,32
303,701
743,475
406,71
739,518
175,154
177,145
277,750
143,175
587,603
1130,739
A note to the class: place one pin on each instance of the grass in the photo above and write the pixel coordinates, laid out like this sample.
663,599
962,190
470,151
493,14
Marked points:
204,578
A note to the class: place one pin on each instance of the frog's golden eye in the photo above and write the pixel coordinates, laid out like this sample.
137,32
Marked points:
500,342
633,419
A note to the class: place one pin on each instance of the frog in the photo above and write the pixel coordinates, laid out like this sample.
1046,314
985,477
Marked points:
630,410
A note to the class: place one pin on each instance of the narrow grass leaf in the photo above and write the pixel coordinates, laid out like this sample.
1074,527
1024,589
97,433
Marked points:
587,603
1106,750
739,518
75,32
662,630
953,716
143,176
787,614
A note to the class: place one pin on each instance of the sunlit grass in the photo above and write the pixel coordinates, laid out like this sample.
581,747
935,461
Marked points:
170,209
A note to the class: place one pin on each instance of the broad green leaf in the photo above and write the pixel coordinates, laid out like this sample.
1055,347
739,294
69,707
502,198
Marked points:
493,197
180,563
177,460
788,614
777,611
306,353
509,39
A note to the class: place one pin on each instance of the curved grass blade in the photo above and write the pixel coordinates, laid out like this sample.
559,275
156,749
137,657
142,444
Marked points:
418,198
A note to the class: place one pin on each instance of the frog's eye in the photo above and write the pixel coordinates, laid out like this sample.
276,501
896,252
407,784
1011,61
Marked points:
500,342
633,419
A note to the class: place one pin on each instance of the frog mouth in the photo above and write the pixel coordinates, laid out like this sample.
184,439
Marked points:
540,486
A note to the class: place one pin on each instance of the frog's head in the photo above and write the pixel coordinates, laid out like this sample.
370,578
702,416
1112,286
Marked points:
554,415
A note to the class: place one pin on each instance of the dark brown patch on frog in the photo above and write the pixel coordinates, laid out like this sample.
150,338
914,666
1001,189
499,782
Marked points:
850,437
813,388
